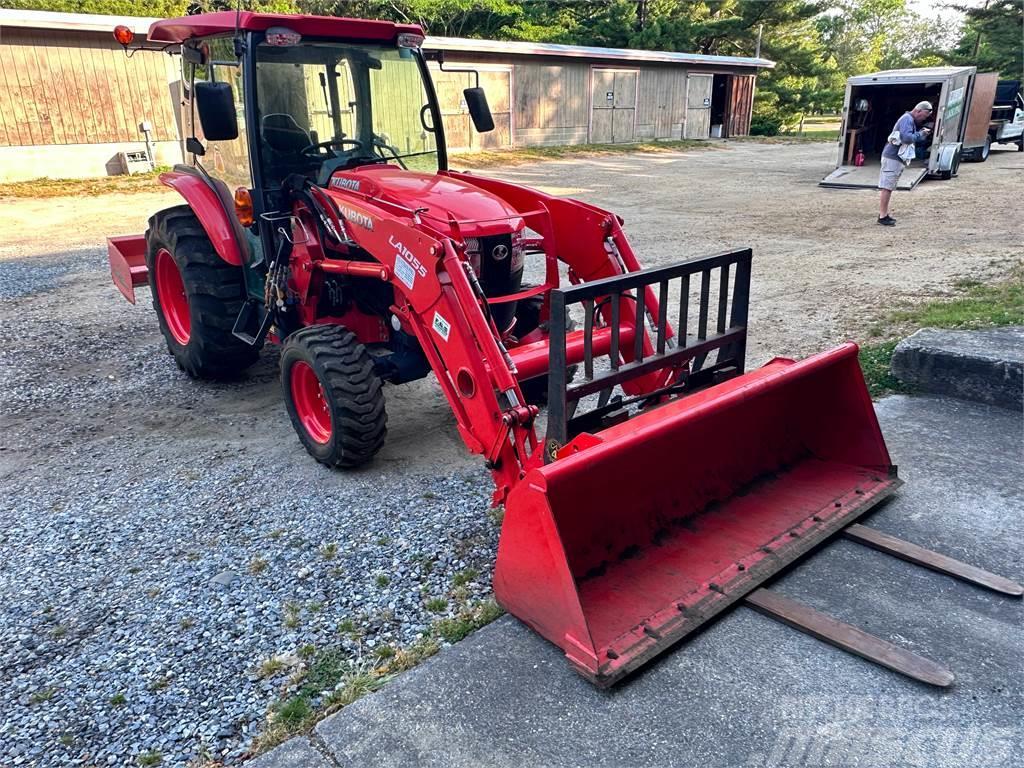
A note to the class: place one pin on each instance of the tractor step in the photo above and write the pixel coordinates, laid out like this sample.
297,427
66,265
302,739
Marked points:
253,323
926,558
847,637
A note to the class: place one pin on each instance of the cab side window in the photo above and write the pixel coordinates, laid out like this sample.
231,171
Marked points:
225,160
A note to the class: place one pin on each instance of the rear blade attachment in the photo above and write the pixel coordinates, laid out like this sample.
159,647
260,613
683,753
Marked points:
640,532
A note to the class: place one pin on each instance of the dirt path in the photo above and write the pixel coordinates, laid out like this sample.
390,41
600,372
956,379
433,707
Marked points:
823,270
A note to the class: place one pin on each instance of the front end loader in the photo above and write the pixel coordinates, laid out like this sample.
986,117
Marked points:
667,482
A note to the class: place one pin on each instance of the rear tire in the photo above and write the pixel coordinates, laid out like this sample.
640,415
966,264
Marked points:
197,296
335,398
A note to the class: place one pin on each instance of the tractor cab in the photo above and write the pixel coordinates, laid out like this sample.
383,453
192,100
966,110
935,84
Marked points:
271,97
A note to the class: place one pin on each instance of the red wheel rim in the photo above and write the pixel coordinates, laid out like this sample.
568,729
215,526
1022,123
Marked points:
310,402
173,302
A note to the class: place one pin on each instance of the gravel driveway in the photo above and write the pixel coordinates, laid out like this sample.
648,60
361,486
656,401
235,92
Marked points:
160,538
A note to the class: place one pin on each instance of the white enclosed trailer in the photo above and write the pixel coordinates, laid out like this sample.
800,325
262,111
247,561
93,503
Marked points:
875,102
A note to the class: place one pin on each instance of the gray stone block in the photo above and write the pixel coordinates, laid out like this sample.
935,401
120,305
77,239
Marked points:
986,366
294,753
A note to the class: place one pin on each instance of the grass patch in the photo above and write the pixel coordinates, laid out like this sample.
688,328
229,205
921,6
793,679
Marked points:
44,188
329,551
291,615
118,700
462,578
874,361
522,155
791,138
437,605
382,580
43,694
978,305
257,566
335,679
270,667
153,757
468,620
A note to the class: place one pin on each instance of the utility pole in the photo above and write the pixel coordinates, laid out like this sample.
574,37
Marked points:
760,31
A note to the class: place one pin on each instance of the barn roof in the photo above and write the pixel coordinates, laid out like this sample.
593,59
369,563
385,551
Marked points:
508,47
173,30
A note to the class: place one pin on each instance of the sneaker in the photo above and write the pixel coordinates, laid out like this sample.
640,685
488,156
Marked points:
887,221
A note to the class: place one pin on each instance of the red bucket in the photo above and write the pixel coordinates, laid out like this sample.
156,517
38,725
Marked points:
617,551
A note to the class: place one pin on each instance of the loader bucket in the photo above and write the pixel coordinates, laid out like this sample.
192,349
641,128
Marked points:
660,523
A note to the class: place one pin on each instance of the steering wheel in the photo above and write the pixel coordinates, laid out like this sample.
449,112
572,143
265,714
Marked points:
382,142
317,152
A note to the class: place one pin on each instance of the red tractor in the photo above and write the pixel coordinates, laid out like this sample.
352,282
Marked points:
320,214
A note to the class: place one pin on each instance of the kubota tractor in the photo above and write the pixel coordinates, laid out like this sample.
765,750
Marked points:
320,214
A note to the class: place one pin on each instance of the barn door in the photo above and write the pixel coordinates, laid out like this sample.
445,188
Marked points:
458,127
613,114
663,80
741,100
497,84
698,106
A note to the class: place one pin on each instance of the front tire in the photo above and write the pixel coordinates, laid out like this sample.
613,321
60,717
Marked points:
334,396
196,295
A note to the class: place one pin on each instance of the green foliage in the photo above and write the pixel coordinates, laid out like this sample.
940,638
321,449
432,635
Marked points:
992,38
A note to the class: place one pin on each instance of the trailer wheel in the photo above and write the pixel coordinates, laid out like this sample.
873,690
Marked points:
535,390
980,154
196,295
334,397
1020,144
954,167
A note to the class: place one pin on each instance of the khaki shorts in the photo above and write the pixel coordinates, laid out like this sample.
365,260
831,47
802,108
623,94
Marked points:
892,167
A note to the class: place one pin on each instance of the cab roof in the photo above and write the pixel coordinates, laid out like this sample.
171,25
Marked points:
224,22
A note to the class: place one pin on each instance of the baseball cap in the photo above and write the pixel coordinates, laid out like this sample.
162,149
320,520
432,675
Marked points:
925,105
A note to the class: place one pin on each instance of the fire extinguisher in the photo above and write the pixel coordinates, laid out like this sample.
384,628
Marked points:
858,160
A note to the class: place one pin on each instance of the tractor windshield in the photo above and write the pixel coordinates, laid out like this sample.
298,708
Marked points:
325,106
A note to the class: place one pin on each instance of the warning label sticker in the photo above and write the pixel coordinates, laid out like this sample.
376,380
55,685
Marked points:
442,326
405,272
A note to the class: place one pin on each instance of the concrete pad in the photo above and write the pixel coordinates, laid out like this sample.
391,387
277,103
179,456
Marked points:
986,365
748,692
294,753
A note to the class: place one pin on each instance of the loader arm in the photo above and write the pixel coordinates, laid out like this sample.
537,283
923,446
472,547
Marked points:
438,301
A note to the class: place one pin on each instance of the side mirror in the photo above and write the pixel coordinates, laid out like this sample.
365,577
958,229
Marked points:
479,109
216,106
197,54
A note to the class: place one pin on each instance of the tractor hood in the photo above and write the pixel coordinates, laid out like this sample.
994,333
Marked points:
438,199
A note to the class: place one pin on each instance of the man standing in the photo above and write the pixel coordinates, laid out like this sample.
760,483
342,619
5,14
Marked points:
892,164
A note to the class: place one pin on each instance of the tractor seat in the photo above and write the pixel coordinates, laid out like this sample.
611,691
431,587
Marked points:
283,134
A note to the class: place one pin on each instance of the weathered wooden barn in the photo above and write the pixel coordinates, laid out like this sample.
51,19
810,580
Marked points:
73,105
568,94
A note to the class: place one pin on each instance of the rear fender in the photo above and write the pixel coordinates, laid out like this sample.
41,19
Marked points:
209,209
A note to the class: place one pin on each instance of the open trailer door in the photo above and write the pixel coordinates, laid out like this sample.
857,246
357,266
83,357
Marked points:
866,176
